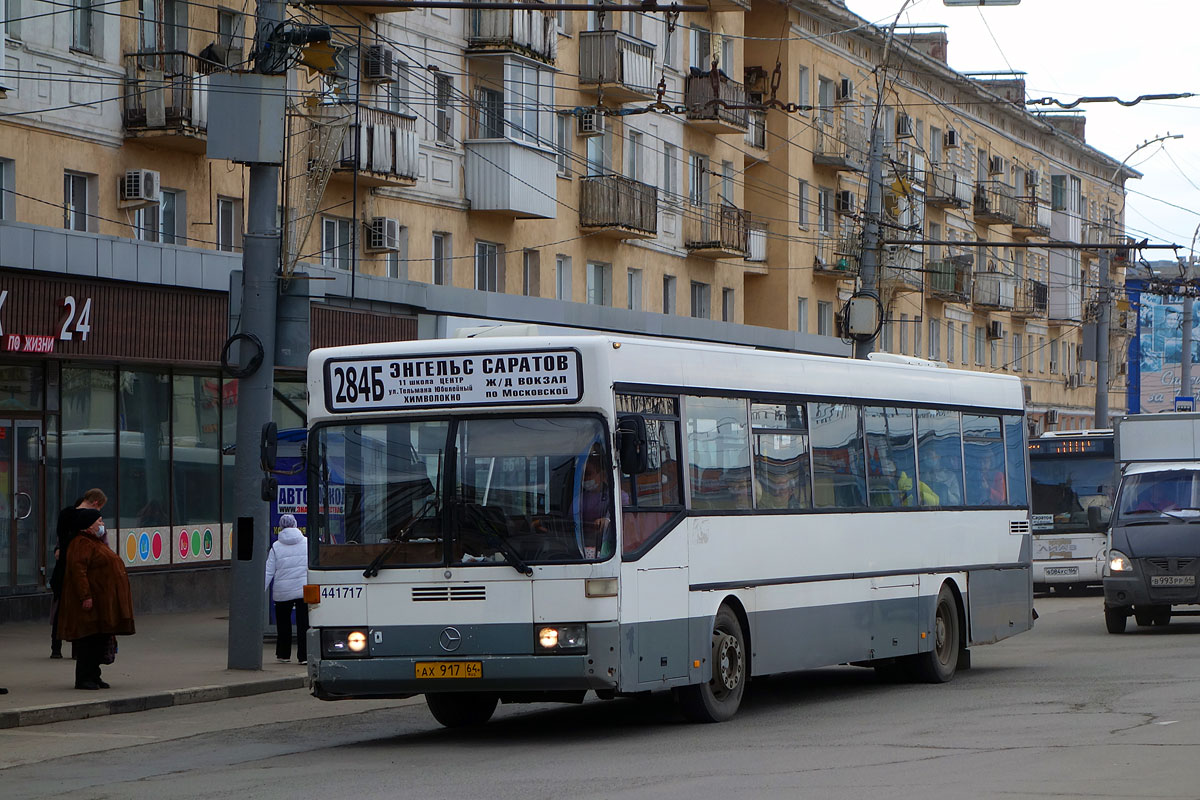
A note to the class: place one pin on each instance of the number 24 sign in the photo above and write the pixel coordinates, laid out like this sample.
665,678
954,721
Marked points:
78,315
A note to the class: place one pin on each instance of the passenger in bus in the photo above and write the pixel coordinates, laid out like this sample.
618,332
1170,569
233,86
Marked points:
928,497
593,508
992,476
94,499
944,482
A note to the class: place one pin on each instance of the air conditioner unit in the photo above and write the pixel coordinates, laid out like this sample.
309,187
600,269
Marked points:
845,202
1033,178
996,165
590,123
1073,381
1052,416
904,126
995,329
951,139
383,234
845,90
140,186
379,64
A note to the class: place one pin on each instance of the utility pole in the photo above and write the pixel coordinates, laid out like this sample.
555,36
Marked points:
260,263
869,265
1102,326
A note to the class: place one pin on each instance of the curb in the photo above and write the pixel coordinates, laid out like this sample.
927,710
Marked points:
42,715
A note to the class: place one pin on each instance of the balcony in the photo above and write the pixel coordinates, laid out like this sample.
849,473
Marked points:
1032,299
525,31
840,145
902,271
950,279
617,206
704,96
716,230
617,65
948,188
511,177
1033,218
1095,233
379,148
756,134
728,5
837,257
756,245
995,203
166,98
994,290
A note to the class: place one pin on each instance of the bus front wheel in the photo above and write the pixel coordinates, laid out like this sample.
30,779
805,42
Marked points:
940,663
718,699
1115,618
462,710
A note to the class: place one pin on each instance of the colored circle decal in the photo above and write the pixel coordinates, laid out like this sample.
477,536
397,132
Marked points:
208,542
144,546
131,547
156,546
183,544
195,543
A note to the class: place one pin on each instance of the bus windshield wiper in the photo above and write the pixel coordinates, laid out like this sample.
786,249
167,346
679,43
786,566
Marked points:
489,529
400,538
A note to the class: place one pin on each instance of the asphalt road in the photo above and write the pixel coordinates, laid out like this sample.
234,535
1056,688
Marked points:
1064,711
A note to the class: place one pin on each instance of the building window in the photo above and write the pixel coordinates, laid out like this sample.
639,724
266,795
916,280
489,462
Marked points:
633,156
670,185
824,318
491,113
82,18
979,345
698,179
825,99
935,338
444,89
701,48
802,203
599,153
668,294
487,267
802,89
172,217
1041,354
7,181
993,345
230,35
727,182
727,305
634,289
917,323
802,314
145,223
701,300
521,101
825,210
229,225
949,341
966,343
562,143
599,284
77,201
562,277
904,333
531,273
337,242
441,259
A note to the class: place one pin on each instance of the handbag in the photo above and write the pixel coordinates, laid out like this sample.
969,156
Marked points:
109,653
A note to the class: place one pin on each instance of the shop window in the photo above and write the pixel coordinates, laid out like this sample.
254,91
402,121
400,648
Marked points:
143,424
88,442
196,449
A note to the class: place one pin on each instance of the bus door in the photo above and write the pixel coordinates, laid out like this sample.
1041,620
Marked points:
21,502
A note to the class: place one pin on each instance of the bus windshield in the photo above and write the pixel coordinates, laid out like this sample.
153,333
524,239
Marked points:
493,490
1064,488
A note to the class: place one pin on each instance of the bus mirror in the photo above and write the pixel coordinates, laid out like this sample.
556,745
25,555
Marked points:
631,444
1098,517
268,447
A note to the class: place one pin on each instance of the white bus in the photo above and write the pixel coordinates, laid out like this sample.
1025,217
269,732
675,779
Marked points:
1070,473
527,519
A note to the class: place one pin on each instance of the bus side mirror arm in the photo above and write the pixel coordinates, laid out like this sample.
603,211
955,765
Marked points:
631,444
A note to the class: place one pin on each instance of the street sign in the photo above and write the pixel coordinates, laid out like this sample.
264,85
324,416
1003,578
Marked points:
1185,404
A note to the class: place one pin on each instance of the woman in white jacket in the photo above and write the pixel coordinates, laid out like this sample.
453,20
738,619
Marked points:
287,566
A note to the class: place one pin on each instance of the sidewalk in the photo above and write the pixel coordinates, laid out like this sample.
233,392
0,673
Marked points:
174,659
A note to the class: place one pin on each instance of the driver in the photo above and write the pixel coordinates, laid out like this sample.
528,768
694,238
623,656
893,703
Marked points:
593,509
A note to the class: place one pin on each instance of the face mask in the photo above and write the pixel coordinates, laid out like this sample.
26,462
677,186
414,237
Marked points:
591,485
100,532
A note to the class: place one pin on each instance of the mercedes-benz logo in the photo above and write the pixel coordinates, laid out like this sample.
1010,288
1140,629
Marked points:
450,639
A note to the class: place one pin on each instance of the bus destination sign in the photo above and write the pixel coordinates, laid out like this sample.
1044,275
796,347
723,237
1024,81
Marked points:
1075,445
469,379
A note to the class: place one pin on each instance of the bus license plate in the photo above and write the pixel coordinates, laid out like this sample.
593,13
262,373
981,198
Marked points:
449,669
1172,580
1061,571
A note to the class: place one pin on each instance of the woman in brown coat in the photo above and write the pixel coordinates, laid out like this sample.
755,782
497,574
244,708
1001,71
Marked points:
96,602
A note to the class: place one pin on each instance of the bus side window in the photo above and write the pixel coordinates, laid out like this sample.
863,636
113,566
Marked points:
719,453
891,457
983,454
839,465
939,457
652,500
1014,446
781,466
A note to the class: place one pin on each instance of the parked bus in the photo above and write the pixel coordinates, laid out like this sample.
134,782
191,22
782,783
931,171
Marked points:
527,519
1070,472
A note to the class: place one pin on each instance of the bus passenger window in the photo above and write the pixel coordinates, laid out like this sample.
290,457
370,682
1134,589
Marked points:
891,457
1014,447
839,472
781,468
718,453
939,458
652,500
983,455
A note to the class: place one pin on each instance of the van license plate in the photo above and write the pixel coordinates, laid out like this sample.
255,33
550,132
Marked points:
1172,580
449,669
1061,571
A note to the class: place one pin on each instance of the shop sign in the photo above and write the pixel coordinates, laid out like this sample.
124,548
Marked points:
76,320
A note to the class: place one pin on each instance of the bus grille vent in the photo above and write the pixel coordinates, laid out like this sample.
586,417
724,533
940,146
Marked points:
435,594
1019,526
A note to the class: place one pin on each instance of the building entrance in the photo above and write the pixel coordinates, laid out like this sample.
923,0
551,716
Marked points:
22,500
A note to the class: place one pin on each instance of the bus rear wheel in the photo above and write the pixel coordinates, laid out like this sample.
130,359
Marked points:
719,699
941,662
462,710
1115,618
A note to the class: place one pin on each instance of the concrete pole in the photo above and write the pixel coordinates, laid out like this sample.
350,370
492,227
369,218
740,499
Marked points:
260,264
1102,326
869,266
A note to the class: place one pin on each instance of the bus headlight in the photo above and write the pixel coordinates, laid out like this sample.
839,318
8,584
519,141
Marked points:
1119,562
344,643
562,638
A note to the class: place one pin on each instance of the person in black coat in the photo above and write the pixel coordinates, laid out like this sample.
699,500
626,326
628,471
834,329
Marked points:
94,499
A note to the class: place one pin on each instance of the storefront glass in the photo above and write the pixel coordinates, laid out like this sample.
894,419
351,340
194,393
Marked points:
89,448
143,417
